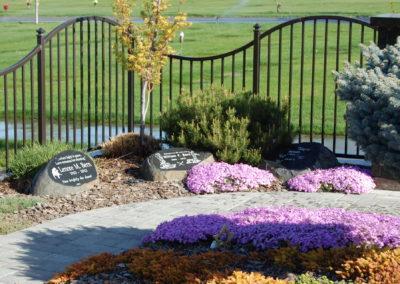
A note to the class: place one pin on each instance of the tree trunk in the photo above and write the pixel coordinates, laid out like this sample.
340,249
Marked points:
37,12
143,113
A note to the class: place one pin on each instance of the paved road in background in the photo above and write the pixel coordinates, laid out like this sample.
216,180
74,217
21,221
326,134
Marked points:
233,20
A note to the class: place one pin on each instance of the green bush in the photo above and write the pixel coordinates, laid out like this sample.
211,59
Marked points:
30,159
268,127
372,93
235,127
308,278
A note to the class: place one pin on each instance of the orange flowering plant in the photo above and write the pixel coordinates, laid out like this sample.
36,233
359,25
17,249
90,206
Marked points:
147,44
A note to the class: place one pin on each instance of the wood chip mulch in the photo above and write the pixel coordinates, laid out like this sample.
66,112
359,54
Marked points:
118,183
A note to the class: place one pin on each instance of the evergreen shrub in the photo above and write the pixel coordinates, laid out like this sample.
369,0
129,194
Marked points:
31,158
235,127
373,109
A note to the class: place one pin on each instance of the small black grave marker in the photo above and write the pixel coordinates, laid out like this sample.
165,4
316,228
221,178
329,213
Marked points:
176,159
71,168
68,172
172,164
306,156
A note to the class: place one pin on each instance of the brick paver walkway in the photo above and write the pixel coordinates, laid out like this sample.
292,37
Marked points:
35,254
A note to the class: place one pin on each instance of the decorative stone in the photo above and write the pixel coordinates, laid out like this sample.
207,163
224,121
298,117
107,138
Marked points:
300,158
172,164
68,172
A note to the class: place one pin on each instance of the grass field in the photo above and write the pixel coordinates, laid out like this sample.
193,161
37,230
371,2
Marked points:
213,8
203,40
10,205
210,39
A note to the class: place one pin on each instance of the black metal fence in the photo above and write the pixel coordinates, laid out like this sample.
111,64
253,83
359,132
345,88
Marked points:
71,88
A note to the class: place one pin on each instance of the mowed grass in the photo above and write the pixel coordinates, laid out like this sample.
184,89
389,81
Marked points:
10,205
211,8
15,204
108,102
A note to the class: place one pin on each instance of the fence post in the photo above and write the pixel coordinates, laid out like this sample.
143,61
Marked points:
130,101
41,65
256,60
131,90
388,26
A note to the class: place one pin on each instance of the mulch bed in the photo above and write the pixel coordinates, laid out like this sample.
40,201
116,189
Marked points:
119,183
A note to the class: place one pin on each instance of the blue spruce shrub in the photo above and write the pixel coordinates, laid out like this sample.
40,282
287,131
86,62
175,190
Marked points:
373,109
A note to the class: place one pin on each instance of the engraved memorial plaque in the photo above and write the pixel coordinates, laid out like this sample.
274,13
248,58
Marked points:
72,168
68,172
177,159
306,156
172,164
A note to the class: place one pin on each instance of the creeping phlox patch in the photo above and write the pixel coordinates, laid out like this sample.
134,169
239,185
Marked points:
266,228
341,179
223,177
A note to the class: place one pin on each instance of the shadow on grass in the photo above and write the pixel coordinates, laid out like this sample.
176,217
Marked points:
44,253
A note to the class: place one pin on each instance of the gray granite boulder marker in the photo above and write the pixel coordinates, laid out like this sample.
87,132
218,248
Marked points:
68,172
173,164
300,158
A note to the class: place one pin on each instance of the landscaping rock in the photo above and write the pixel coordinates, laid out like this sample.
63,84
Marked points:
173,164
68,172
280,171
300,158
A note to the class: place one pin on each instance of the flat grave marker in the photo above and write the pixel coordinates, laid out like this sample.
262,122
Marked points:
173,164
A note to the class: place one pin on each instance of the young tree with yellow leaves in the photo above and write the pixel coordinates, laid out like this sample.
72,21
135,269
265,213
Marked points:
147,44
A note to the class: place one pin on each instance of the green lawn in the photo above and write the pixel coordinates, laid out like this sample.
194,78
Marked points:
227,8
200,40
10,205
13,204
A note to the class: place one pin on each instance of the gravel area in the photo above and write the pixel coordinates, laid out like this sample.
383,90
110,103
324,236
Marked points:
118,183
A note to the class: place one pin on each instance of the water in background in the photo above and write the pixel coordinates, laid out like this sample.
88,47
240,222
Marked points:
340,140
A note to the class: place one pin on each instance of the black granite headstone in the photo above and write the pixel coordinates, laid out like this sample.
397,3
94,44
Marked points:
300,156
176,159
173,163
68,172
71,168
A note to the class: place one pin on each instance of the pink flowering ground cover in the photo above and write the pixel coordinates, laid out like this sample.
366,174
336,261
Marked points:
273,227
341,179
223,177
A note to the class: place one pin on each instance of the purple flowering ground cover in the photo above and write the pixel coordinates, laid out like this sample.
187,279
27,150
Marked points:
274,227
223,177
341,179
